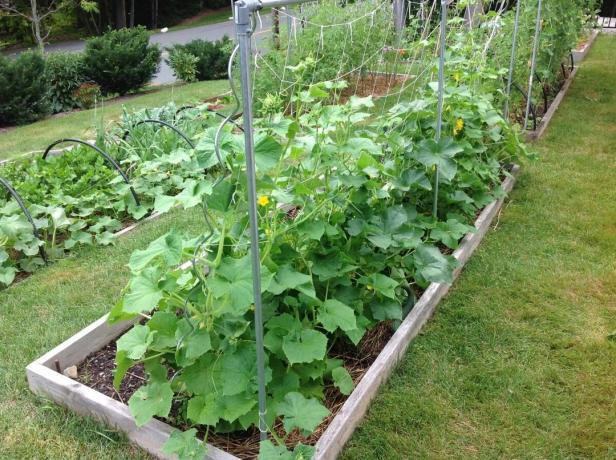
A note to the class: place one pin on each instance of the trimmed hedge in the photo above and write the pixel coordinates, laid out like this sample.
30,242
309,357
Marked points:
213,57
24,89
122,60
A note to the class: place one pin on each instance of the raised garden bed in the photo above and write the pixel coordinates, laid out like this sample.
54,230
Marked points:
46,378
578,56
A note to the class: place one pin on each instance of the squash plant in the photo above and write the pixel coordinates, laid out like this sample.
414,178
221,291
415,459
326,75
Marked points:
347,241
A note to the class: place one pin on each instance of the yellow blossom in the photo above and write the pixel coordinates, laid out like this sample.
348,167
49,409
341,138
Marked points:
458,127
456,77
263,200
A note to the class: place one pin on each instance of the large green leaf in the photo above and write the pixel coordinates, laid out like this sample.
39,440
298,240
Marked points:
185,445
304,346
153,399
333,314
267,153
136,341
167,248
342,379
233,280
143,292
287,278
301,412
432,266
430,153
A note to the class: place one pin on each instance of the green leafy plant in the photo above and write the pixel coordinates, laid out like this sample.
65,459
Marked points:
65,74
348,241
184,65
24,90
121,60
211,58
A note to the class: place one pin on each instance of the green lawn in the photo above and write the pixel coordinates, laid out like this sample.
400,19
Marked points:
516,362
81,124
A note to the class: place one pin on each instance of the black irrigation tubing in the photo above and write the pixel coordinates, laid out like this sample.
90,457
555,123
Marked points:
221,115
104,154
24,209
572,61
532,106
544,92
163,123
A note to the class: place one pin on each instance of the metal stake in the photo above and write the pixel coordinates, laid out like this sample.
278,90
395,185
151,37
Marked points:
441,90
533,63
514,44
242,13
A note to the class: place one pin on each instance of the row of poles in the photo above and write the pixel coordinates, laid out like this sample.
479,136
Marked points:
243,11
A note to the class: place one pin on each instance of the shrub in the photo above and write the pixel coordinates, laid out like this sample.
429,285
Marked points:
121,60
65,72
212,57
86,95
184,65
24,91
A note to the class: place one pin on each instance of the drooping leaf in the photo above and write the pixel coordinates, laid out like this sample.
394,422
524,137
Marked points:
304,346
342,380
136,341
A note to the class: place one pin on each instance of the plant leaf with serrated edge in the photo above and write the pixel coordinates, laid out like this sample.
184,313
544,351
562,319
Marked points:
143,292
305,346
301,412
185,445
135,342
153,399
333,314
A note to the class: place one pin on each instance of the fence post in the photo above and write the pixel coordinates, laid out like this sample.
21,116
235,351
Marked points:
243,28
533,63
441,90
514,43
399,10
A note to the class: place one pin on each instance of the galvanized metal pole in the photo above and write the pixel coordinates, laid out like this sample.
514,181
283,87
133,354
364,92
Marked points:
243,29
441,91
514,44
399,8
533,64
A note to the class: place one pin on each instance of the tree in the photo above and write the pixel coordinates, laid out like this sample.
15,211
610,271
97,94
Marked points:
36,11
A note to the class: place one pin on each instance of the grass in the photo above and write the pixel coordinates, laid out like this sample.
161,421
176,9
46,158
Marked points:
520,359
81,124
516,362
45,310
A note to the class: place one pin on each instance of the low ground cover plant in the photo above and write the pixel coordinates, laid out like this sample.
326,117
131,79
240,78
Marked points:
78,199
348,241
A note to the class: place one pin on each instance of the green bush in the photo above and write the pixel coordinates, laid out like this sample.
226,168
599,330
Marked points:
24,91
121,60
65,73
212,57
184,65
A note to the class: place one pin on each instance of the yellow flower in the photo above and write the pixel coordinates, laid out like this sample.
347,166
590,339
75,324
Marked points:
263,200
458,127
456,77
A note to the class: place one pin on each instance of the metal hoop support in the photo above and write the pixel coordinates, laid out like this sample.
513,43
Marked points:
104,154
162,123
17,197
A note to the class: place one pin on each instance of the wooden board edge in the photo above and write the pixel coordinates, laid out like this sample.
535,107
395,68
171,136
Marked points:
355,407
85,401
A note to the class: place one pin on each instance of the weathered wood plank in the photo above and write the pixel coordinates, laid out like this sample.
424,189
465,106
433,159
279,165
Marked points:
90,403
